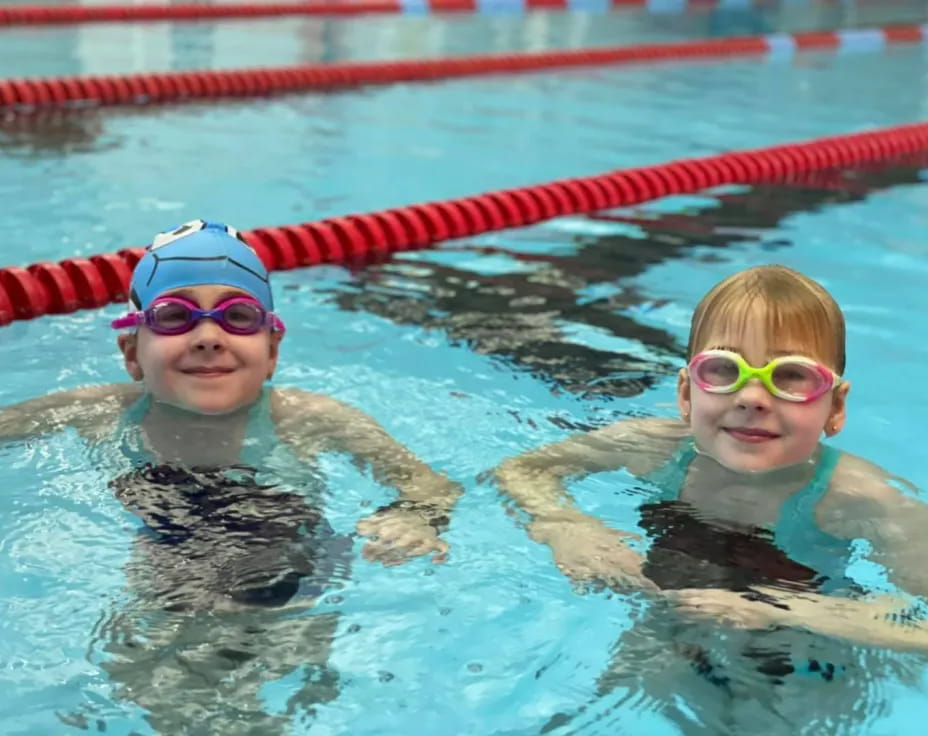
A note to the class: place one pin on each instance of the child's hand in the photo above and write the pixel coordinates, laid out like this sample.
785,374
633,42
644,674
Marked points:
400,532
733,609
589,552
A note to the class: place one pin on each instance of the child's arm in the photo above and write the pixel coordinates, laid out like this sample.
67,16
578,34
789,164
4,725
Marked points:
863,502
881,621
408,527
85,409
583,547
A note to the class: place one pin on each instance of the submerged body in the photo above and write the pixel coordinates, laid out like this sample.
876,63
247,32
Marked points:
754,531
230,554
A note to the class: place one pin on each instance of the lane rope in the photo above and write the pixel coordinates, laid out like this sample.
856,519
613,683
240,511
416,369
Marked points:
60,15
84,283
24,95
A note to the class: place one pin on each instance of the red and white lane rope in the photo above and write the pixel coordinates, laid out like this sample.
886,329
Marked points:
57,14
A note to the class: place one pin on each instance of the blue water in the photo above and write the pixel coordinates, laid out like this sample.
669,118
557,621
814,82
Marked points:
512,338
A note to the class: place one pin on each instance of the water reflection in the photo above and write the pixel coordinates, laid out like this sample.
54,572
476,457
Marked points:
54,131
526,315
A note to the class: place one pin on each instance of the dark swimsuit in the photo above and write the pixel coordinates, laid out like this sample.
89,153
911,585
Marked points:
220,532
689,551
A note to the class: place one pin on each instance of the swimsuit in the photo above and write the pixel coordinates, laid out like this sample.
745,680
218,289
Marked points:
221,533
689,551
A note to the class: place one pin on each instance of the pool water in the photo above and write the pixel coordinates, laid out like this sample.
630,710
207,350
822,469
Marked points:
512,339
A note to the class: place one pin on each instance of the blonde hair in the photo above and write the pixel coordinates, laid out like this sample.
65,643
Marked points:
793,305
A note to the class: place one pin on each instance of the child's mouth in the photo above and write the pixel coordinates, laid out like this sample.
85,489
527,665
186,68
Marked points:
208,372
748,434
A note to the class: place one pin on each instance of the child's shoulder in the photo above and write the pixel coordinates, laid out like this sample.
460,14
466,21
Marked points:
648,443
855,476
650,428
87,409
290,401
292,405
122,393
860,489
639,444
95,403
865,500
654,437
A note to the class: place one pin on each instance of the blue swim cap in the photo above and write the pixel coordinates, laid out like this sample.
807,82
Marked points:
198,253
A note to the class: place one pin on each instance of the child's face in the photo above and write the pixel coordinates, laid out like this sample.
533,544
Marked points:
206,370
779,432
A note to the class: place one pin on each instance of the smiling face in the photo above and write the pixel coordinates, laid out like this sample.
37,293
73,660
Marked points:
206,370
751,430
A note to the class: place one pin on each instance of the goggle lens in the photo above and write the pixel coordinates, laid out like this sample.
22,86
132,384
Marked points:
798,379
718,372
169,317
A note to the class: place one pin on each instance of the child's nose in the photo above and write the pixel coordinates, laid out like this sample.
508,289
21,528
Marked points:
753,395
208,336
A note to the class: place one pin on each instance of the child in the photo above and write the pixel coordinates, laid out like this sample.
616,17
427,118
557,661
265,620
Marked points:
199,385
753,521
227,558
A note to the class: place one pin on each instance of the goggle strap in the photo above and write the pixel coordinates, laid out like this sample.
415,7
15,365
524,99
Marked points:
133,319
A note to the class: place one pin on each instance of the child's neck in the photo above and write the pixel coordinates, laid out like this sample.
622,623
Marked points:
753,499
801,472
190,439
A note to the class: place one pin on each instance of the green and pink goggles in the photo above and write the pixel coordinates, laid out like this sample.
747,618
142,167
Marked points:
172,315
792,377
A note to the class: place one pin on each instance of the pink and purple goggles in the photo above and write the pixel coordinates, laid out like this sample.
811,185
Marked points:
173,315
792,377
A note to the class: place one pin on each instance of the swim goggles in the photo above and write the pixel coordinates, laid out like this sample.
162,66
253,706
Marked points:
792,377
171,315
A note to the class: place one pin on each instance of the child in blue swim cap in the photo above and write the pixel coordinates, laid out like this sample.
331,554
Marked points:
200,342
222,472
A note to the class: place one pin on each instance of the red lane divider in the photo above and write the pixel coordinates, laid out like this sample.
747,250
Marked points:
166,87
55,288
56,14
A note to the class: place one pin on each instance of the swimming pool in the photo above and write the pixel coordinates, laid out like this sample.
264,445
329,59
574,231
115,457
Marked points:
518,337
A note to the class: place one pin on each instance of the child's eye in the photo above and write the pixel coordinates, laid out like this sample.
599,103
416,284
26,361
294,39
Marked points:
719,371
241,315
171,315
794,377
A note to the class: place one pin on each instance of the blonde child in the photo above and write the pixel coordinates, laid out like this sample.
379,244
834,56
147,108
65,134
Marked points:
754,523
228,564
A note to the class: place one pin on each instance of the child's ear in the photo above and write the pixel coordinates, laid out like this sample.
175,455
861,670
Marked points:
129,345
683,394
838,412
276,337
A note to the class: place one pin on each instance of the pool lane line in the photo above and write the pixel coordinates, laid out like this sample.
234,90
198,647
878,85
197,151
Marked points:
37,15
84,283
25,95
